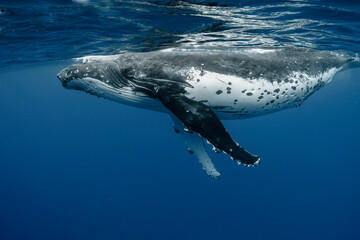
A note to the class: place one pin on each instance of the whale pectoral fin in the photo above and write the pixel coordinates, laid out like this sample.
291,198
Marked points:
196,145
200,118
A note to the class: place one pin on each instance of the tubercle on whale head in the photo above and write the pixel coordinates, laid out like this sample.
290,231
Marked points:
81,71
65,76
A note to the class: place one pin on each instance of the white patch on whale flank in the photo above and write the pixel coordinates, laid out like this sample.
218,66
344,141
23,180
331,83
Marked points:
233,97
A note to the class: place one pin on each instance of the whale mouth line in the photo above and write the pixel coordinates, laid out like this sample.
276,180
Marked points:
66,78
81,83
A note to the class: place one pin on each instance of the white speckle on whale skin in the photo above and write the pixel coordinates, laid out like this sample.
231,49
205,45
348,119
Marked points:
248,91
216,149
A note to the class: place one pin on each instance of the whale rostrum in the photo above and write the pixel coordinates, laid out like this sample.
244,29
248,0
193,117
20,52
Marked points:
200,87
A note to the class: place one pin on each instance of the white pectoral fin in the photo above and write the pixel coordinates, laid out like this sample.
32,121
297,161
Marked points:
196,145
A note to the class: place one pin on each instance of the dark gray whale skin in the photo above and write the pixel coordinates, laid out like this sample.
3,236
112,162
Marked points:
165,75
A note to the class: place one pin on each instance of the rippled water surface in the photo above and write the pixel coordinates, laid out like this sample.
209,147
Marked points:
39,31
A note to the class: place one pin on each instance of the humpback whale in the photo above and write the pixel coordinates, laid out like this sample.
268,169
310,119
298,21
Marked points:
200,87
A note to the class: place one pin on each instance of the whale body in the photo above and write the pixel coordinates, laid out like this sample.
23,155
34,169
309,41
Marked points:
200,87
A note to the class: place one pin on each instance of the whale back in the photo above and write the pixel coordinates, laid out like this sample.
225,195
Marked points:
270,64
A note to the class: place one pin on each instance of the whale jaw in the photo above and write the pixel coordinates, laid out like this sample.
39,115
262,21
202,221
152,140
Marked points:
124,95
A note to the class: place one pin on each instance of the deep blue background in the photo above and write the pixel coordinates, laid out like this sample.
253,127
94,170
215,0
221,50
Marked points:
73,166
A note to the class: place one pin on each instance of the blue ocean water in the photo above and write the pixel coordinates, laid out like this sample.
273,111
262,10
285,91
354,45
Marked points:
73,166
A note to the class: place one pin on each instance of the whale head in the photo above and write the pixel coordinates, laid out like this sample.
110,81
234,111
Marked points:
78,75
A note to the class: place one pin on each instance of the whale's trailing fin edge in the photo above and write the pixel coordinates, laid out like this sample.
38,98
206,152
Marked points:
200,118
196,145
